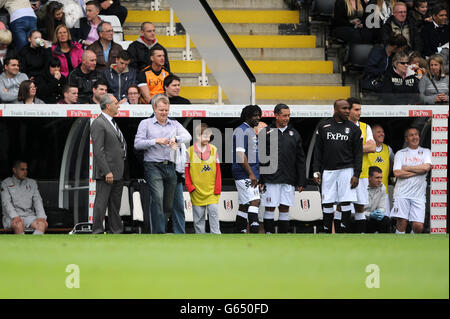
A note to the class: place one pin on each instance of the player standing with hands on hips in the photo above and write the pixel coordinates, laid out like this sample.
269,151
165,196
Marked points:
337,164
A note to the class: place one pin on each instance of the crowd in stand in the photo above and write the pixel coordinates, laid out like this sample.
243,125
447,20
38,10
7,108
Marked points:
408,38
63,46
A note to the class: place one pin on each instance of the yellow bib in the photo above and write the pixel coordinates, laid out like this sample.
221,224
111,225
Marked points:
381,159
365,161
203,175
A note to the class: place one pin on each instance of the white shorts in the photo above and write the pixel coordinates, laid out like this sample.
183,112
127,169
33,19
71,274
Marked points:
246,193
336,187
410,209
362,192
274,195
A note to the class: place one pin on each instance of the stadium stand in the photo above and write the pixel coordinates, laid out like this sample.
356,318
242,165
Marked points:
285,63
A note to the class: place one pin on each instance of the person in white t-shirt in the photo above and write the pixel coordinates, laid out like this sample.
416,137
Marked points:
411,166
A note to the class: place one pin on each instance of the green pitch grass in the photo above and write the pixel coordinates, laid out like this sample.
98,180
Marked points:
291,266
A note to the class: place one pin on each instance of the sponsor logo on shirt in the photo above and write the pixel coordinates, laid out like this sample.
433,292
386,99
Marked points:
337,137
379,159
206,168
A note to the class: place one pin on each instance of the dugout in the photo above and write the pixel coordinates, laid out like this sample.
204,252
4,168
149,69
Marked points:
54,140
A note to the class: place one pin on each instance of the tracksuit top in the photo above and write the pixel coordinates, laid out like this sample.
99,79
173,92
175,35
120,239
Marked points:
338,145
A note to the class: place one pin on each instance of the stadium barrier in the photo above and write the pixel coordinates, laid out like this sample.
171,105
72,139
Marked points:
439,134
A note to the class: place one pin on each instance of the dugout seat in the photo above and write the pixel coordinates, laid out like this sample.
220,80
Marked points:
124,44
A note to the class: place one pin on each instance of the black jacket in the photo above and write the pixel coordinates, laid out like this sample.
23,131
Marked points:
377,65
415,41
34,60
433,37
289,160
140,55
84,82
338,145
398,90
49,89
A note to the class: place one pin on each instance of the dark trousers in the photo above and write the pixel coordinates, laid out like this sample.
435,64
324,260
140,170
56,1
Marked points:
351,35
107,196
382,226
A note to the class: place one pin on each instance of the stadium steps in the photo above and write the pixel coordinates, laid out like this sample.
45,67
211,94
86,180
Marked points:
288,65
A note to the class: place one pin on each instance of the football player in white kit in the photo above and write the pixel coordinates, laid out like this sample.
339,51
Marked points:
411,166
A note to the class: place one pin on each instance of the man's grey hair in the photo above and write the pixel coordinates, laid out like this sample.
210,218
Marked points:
105,99
158,98
100,26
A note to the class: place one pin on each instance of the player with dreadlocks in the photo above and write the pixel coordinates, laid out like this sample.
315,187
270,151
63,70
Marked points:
245,169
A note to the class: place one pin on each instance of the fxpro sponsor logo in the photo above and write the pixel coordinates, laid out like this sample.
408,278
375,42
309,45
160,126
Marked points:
123,114
439,192
79,113
440,129
442,141
439,179
440,116
438,217
439,154
438,230
439,167
267,114
420,113
193,113
439,204
337,137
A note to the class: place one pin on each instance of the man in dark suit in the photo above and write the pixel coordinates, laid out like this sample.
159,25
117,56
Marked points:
109,156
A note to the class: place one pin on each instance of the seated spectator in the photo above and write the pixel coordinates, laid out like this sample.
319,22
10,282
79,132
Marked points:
151,79
120,76
398,23
35,56
22,20
418,64
10,80
140,50
85,76
66,50
27,93
385,9
134,96
380,60
377,221
86,33
419,13
435,33
434,87
22,203
53,18
113,8
400,84
348,22
172,89
50,82
105,48
5,41
99,89
70,93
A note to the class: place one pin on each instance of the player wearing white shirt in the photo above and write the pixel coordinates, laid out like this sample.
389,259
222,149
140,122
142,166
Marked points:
411,166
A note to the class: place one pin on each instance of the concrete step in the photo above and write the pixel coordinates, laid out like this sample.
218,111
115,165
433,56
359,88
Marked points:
131,28
215,4
243,41
262,67
311,54
307,93
192,79
224,16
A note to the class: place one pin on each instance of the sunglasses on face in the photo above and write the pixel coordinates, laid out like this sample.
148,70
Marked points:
404,63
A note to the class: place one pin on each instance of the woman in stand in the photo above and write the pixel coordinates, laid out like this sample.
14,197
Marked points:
27,93
50,82
34,56
434,86
54,17
66,50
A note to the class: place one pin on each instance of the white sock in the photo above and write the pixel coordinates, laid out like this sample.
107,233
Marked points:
399,232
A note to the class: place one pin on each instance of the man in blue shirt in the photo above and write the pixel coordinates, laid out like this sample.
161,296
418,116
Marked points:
159,137
245,169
